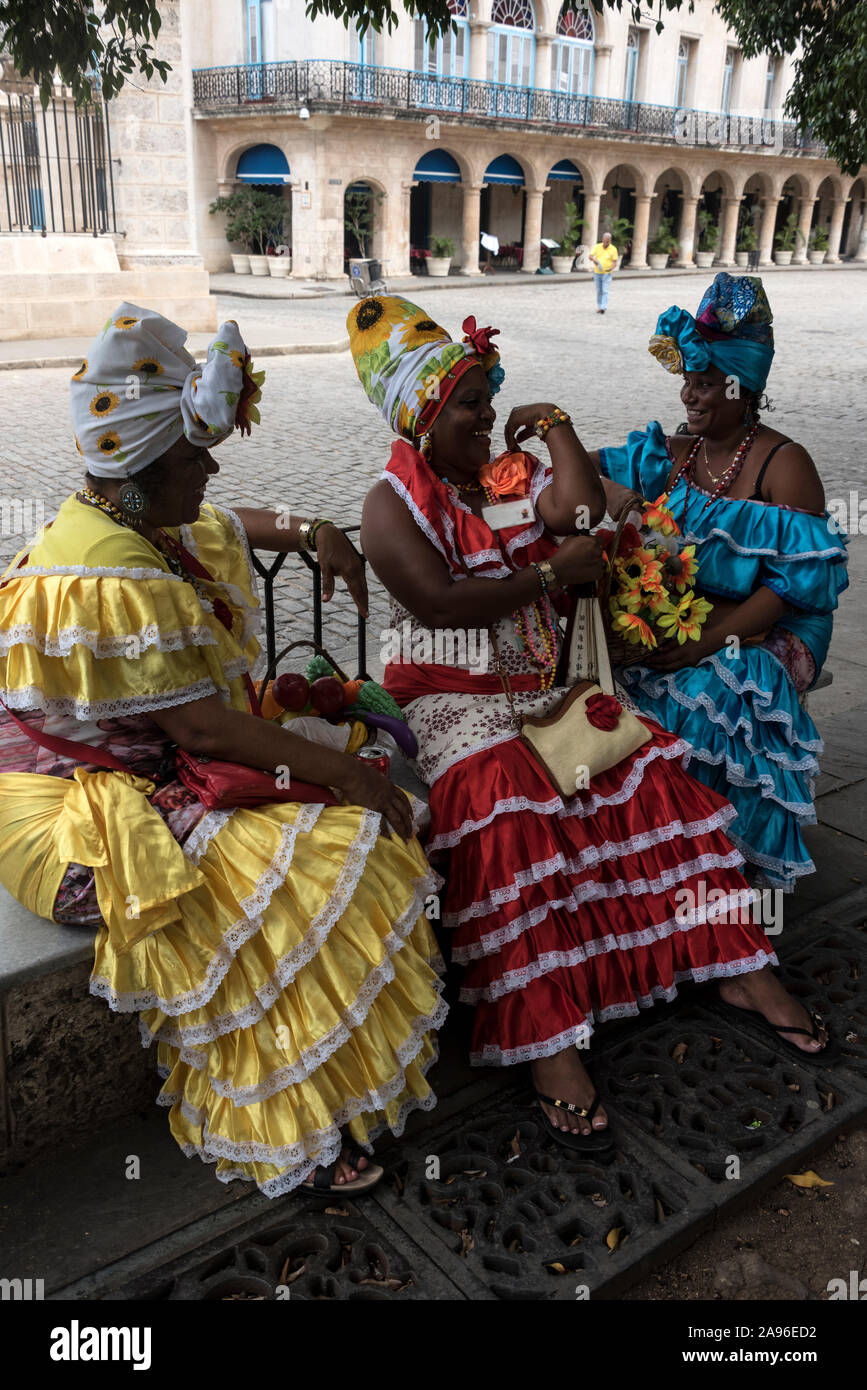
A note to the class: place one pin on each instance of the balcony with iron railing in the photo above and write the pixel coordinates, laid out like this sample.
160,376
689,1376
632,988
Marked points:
330,85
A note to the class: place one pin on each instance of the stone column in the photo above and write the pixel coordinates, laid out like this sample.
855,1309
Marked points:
590,230
835,231
478,50
686,231
766,234
861,251
638,259
729,231
542,67
602,69
804,221
533,230
470,230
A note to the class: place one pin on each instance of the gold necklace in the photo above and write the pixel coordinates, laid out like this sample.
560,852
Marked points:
715,477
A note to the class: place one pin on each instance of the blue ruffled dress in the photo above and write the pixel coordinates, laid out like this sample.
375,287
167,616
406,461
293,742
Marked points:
751,740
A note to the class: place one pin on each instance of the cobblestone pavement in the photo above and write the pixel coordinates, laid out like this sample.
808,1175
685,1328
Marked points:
322,444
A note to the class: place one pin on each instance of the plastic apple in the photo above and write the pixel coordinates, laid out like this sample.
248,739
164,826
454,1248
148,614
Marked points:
291,691
327,695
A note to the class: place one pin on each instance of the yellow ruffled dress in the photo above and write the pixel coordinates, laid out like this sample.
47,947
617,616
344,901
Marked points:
280,957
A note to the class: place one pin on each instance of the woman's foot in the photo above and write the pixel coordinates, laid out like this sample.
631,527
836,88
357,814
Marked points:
565,1077
761,990
345,1173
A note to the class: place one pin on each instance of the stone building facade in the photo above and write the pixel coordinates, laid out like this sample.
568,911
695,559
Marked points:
529,104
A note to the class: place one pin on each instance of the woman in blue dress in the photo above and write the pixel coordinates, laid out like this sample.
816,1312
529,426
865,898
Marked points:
771,561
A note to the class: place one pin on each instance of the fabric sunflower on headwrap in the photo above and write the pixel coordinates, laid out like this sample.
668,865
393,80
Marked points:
408,365
732,330
138,391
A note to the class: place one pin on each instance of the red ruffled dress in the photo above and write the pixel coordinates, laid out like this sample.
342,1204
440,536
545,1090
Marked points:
564,914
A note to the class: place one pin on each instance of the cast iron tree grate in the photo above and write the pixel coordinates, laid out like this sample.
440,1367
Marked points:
829,975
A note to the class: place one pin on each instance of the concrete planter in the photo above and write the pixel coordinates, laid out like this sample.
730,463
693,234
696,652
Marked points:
783,257
742,258
562,265
259,265
279,266
240,264
816,257
438,265
657,260
704,259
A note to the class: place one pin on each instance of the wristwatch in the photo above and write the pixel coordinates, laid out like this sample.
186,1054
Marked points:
304,535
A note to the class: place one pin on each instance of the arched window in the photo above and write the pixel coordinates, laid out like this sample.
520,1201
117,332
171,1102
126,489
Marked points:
511,43
572,57
449,55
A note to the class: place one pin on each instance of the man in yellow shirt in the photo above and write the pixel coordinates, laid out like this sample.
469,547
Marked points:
604,257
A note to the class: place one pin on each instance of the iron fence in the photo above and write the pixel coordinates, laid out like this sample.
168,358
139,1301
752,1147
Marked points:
355,84
56,162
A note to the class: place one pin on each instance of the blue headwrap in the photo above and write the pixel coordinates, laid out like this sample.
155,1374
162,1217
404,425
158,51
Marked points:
732,330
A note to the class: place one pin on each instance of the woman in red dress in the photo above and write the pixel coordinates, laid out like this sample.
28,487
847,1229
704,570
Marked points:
565,913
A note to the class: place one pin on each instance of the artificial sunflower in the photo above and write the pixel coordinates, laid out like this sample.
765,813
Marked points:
686,618
103,403
149,366
125,321
76,376
681,569
251,394
634,629
108,444
659,518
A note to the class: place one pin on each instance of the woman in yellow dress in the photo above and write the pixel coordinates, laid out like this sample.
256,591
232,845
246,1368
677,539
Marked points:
279,956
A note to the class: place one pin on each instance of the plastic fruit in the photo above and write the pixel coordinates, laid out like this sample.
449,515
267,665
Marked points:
291,691
327,695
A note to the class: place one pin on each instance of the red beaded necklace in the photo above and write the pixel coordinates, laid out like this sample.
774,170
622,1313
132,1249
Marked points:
687,472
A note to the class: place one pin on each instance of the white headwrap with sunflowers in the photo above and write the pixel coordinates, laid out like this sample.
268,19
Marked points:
138,391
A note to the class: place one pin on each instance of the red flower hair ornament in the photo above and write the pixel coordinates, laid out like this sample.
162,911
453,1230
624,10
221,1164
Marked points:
479,337
603,712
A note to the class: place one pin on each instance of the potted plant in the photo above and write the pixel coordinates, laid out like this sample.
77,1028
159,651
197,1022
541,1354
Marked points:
708,239
662,244
561,260
747,242
280,262
786,239
818,246
442,248
252,218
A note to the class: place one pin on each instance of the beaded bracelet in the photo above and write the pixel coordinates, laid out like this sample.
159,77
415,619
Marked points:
311,535
547,422
542,580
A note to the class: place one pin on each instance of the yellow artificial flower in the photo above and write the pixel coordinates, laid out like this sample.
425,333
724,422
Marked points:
683,574
666,352
634,629
659,518
103,403
686,618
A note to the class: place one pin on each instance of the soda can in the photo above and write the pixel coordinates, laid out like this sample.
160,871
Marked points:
376,756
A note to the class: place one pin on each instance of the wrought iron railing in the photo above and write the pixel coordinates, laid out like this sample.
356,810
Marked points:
330,83
56,167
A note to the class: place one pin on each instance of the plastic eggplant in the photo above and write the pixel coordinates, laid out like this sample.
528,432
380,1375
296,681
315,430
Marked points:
400,732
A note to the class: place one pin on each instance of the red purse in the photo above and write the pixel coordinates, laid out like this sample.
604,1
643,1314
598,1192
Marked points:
219,785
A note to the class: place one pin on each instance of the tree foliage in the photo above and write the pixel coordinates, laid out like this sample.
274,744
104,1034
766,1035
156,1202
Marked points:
77,38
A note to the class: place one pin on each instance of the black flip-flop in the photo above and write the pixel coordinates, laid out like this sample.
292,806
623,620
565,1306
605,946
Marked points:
598,1144
323,1178
829,1053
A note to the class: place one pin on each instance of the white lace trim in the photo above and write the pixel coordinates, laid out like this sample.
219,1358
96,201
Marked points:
312,1058
459,755
736,775
67,638
837,552
749,687
577,807
589,858
253,907
248,1151
784,872
511,980
30,697
200,837
418,515
491,942
88,571
494,1056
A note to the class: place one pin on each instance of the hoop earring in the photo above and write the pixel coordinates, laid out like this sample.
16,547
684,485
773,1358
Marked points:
426,448
132,501
750,416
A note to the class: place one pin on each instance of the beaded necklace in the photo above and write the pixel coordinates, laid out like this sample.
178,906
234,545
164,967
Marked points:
168,549
726,479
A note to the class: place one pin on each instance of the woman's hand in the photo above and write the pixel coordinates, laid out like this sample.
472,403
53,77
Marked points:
579,560
619,499
364,786
338,559
521,424
673,657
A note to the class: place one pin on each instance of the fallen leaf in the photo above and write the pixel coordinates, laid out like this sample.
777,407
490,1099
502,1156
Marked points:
515,1147
612,1240
598,1200
284,1271
443,1201
829,1100
679,1052
576,1240
660,1212
336,1211
754,1124
808,1179
467,1242
296,1274
782,1211
474,1172
793,1086
395,1285
490,1228
557,1268
397,1184
852,1037
453,1178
